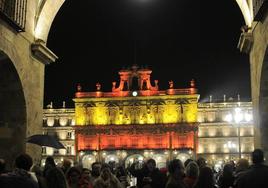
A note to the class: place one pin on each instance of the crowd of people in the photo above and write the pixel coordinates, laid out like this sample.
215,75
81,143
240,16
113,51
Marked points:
190,174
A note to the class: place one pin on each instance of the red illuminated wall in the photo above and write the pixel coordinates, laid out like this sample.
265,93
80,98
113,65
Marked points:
138,141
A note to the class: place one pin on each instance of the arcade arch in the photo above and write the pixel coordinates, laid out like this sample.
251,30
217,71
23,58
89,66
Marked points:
12,111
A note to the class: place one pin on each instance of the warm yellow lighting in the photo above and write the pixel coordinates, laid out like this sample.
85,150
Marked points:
212,131
247,10
50,121
170,114
212,148
95,111
81,153
63,121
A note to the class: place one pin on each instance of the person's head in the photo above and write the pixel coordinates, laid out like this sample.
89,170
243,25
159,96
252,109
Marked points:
66,164
86,173
105,171
50,162
151,164
2,166
192,170
188,161
242,165
176,168
55,178
201,162
206,178
95,169
228,170
257,156
73,175
24,161
120,171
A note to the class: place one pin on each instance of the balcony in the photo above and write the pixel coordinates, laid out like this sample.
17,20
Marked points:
14,13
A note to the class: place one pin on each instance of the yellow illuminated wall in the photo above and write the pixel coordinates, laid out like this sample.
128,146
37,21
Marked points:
136,110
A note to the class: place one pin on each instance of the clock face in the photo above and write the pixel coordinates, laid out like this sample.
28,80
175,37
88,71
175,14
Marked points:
134,93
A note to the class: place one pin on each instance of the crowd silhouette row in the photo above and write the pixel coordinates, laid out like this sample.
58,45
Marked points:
191,174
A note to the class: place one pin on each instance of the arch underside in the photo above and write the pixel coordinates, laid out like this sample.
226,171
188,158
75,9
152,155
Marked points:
12,111
263,103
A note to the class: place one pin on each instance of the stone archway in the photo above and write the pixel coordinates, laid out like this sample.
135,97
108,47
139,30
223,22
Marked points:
22,61
12,111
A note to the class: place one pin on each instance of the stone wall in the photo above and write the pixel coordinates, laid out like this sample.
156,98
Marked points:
259,82
22,101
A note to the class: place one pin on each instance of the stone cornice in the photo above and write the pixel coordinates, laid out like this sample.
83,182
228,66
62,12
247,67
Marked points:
42,53
245,42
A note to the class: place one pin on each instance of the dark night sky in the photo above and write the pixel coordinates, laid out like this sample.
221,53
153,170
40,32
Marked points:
178,39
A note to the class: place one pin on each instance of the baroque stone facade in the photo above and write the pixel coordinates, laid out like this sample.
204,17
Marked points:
225,132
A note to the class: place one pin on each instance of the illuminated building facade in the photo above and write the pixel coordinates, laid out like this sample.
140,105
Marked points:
59,123
226,130
137,120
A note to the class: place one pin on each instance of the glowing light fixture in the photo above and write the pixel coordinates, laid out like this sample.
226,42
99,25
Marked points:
229,117
238,115
229,145
134,93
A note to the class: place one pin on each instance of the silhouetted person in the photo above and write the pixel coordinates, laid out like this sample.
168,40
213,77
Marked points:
176,174
39,175
95,171
85,180
226,179
205,179
50,163
257,175
55,178
148,175
107,179
241,168
191,174
187,162
2,166
66,164
20,177
201,162
73,176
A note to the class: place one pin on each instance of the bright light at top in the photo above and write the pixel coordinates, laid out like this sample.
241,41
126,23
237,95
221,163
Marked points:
134,93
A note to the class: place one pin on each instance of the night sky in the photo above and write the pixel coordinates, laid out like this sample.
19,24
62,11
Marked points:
179,40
